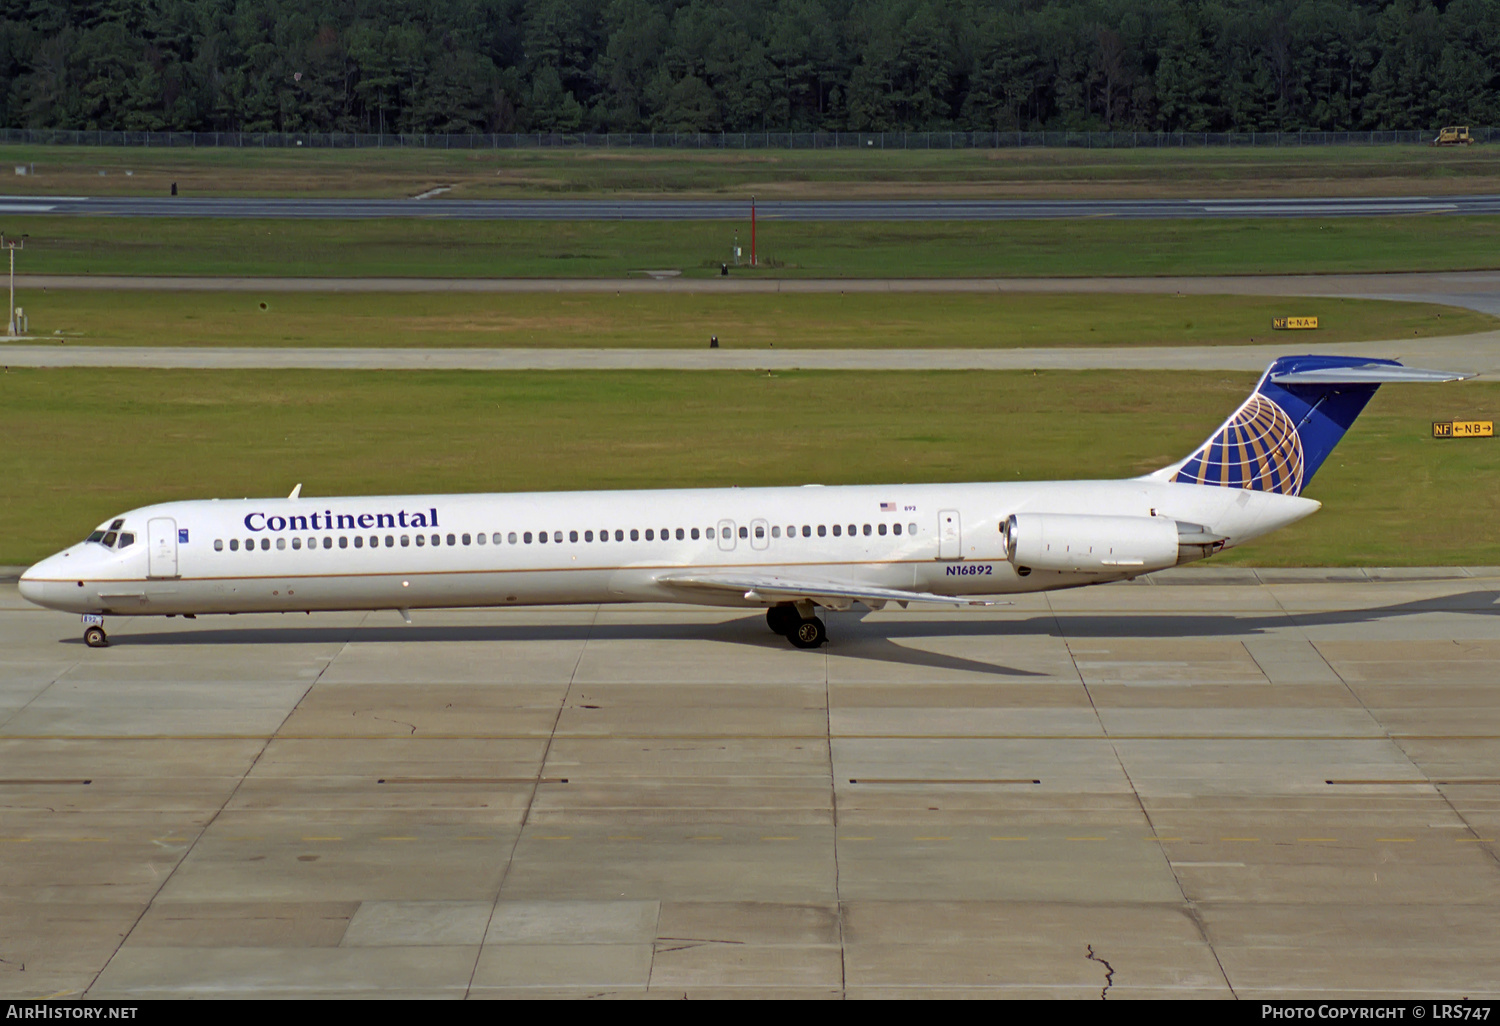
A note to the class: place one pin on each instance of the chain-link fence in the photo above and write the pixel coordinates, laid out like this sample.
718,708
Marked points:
725,140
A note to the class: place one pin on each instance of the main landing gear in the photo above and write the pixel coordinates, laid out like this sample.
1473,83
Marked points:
801,631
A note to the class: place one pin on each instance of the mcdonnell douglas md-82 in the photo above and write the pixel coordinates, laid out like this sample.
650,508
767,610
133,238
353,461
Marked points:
788,550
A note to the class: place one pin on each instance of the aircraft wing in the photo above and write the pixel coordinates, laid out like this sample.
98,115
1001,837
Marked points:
772,589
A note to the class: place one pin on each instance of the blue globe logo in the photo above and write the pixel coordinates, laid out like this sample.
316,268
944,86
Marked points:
1258,449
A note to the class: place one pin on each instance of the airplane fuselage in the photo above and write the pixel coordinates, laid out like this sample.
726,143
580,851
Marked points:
407,552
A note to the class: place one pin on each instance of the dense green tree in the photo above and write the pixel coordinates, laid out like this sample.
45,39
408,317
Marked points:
748,65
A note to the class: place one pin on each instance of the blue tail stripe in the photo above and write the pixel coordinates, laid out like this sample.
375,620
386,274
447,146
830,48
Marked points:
1282,434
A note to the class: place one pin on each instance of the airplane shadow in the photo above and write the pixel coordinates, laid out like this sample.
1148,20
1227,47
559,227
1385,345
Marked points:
852,635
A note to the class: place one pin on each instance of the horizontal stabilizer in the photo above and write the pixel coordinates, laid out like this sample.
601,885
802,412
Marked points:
771,589
1365,374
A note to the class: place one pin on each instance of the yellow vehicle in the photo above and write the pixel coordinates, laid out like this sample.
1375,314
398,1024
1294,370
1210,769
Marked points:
1455,135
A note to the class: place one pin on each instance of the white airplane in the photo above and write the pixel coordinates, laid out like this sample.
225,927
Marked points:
788,550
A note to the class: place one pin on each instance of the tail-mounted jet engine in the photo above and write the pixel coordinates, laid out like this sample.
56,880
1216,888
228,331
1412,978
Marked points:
1076,543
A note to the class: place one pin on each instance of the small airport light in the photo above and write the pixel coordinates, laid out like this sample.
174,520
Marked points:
12,243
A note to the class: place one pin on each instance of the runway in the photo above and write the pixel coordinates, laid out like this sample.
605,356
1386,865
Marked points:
1258,784
1476,354
738,209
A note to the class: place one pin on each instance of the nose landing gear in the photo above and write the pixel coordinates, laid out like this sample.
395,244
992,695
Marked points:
94,637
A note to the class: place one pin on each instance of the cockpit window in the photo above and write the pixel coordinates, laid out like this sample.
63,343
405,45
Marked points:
117,524
109,540
96,536
126,539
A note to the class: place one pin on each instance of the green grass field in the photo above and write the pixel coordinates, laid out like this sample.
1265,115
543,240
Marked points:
686,320
615,249
81,444
784,174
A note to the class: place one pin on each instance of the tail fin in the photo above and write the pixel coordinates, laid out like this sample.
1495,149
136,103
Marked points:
1280,436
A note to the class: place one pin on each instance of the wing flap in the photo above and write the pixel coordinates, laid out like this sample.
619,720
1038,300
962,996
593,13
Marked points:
772,589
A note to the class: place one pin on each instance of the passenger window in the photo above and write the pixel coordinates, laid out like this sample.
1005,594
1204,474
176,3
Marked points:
109,540
911,528
296,543
218,544
635,535
837,531
744,533
281,544
867,530
421,540
760,532
234,545
619,534
343,542
822,531
359,541
895,528
880,528
680,534
709,534
806,531
695,534
479,538
557,537
666,532
327,542
527,537
374,541
390,541
495,538
265,544
588,536
466,539
650,536
776,532
512,537
405,541
451,540
572,536
541,537
437,539
852,530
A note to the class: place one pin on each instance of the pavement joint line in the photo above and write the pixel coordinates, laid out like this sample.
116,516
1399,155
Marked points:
322,838
932,838
1087,838
779,737
1239,838
1394,840
778,838
1316,840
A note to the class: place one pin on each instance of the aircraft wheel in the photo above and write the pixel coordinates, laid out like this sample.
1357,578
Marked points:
94,637
809,633
782,619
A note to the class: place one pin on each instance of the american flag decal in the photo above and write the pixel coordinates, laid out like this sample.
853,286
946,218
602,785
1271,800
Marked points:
887,507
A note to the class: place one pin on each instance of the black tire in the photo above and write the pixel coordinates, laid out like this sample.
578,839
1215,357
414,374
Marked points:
95,637
783,619
809,633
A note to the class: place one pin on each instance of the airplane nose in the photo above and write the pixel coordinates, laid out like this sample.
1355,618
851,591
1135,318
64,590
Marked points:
30,587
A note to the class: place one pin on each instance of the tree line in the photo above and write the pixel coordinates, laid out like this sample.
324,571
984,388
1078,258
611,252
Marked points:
748,65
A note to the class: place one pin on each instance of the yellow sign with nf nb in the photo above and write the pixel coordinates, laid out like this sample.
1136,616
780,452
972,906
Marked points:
1463,429
1293,323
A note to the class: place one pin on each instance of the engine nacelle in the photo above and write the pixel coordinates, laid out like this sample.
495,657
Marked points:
1091,544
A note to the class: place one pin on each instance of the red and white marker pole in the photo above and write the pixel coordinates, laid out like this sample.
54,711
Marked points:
752,231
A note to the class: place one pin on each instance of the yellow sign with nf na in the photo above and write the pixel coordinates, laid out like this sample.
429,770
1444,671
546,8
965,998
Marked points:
1292,323
1463,429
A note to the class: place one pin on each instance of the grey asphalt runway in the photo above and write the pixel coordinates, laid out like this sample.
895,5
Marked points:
738,209
1211,783
1478,353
